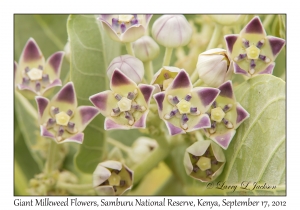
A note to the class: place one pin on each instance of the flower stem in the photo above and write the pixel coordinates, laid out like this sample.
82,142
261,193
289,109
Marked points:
194,76
149,163
168,55
78,189
268,20
149,70
215,37
129,48
119,145
198,83
49,166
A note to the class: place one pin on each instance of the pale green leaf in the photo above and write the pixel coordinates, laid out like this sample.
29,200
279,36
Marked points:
258,151
91,52
27,116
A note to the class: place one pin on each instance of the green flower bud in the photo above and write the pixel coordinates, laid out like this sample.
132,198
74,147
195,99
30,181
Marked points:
112,178
145,48
204,160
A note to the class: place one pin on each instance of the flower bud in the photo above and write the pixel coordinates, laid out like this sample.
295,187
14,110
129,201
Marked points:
228,20
145,48
129,65
214,67
141,148
164,77
172,31
204,160
112,178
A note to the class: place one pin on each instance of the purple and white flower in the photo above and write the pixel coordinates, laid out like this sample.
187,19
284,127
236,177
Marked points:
226,116
61,119
33,73
252,51
125,28
182,107
112,178
126,105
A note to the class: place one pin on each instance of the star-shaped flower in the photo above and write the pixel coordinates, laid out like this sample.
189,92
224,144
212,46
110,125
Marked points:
61,119
112,178
126,105
252,51
182,107
125,28
226,115
33,74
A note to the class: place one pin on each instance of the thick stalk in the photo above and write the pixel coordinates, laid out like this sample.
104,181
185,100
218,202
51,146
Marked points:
129,48
268,20
168,55
149,70
119,145
51,157
194,76
79,189
149,163
215,37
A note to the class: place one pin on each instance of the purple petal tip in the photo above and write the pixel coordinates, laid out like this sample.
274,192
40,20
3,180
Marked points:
182,80
88,113
255,26
226,89
55,61
99,100
208,95
173,130
276,45
118,78
42,103
230,40
31,51
203,123
67,94
159,98
147,91
242,114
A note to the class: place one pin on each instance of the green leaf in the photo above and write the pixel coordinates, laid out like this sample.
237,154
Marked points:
91,52
28,124
49,31
257,153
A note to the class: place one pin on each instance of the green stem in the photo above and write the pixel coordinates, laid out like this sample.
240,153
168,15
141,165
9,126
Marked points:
268,20
119,145
51,157
198,83
149,163
215,37
168,55
149,70
194,76
129,48
79,189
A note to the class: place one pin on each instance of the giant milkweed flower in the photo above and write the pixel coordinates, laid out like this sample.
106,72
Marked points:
252,51
125,28
61,119
33,74
126,105
112,178
204,160
226,115
182,107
